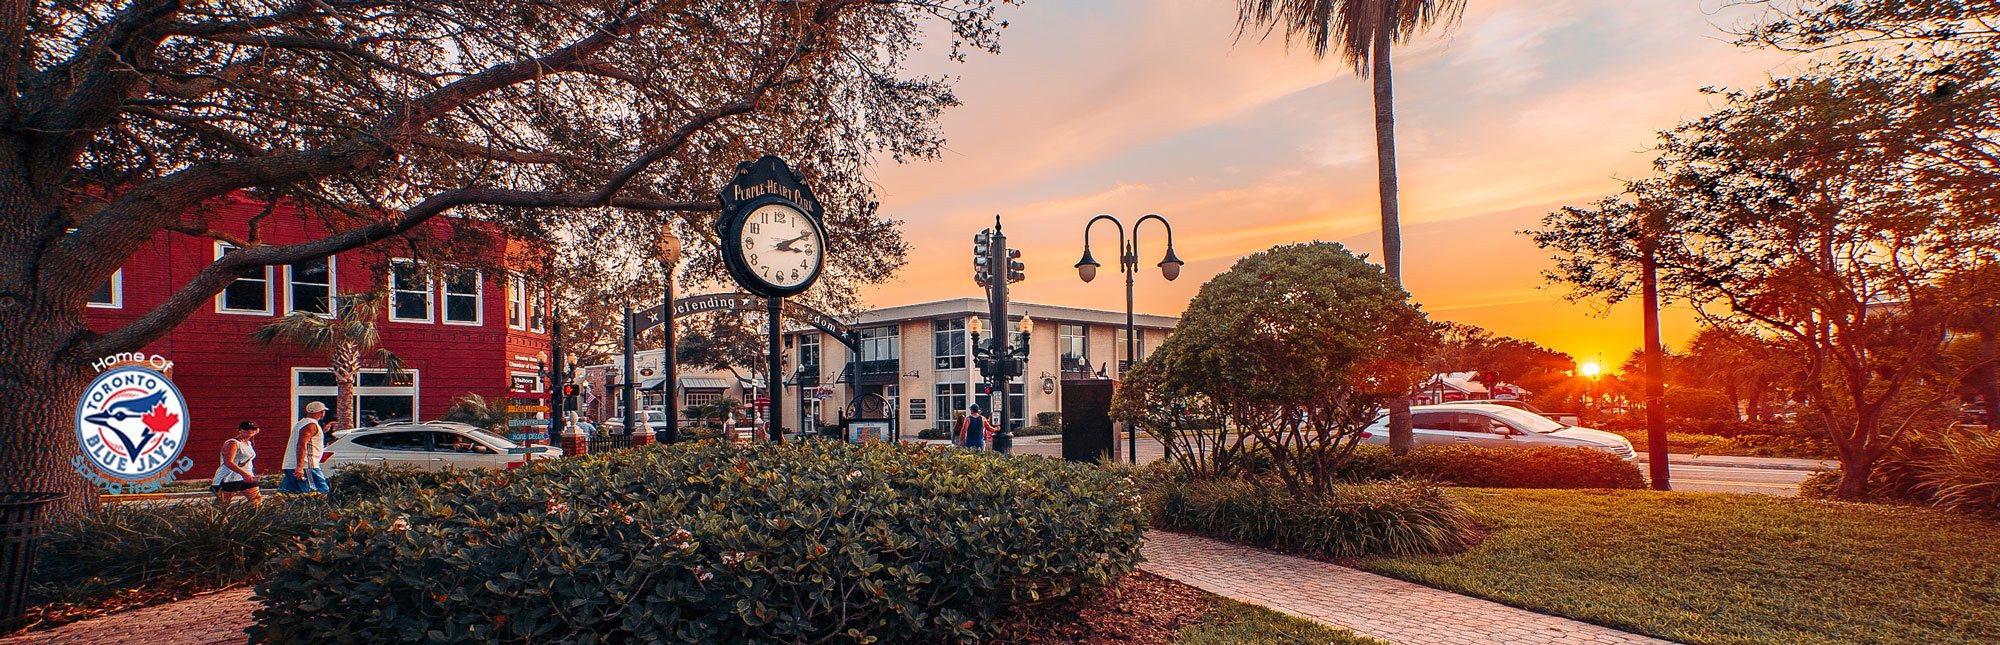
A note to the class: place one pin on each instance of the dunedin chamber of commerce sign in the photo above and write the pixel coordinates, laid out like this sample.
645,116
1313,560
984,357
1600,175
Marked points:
132,424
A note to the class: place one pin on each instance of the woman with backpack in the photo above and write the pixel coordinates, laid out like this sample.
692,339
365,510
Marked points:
972,430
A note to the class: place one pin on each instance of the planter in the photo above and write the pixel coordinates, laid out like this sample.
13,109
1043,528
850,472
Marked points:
21,519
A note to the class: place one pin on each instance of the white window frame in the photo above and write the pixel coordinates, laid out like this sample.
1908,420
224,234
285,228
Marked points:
117,283
415,390
478,301
517,302
539,297
222,248
429,291
332,287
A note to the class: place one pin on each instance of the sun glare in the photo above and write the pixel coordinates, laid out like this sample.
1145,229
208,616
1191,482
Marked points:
1589,369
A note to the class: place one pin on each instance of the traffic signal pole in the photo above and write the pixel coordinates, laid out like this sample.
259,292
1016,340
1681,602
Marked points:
996,301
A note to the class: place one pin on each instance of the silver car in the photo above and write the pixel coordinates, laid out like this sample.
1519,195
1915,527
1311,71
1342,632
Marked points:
1497,426
432,445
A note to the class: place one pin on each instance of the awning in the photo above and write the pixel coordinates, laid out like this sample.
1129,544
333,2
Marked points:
703,383
652,383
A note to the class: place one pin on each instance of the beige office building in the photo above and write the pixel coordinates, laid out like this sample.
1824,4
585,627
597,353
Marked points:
919,358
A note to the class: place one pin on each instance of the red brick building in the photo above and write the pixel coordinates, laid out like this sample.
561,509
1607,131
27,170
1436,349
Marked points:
472,330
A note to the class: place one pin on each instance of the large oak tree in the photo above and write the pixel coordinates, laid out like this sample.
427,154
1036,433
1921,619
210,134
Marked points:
552,118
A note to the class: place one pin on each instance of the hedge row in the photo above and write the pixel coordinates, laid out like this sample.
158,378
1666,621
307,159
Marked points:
1398,517
711,542
1496,467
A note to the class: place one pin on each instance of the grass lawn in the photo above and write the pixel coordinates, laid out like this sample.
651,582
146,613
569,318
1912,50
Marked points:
1231,623
1719,568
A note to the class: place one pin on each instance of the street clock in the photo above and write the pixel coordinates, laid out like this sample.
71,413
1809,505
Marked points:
773,241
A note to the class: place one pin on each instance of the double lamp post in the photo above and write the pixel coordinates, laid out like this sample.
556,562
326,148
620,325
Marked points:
1128,261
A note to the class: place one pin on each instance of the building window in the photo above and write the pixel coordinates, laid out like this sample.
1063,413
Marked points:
696,399
112,294
809,353
461,298
809,414
517,301
1073,343
309,286
1120,350
1017,403
411,300
538,310
881,344
250,293
380,397
948,342
951,401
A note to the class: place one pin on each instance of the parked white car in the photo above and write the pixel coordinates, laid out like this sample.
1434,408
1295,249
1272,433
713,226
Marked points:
656,420
1497,426
432,446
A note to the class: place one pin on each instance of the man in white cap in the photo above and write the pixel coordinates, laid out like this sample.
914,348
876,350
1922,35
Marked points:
302,475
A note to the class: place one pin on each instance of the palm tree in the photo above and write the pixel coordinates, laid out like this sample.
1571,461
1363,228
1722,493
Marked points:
342,339
1365,30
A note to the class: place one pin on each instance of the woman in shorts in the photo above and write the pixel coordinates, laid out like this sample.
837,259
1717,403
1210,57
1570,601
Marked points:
235,476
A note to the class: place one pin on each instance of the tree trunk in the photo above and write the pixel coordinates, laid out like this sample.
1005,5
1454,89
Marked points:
1401,440
1855,468
1735,402
1989,376
42,373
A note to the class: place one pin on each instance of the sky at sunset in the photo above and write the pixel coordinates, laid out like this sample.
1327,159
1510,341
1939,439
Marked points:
1149,106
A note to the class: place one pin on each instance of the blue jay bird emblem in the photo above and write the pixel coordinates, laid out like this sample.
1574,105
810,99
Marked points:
131,422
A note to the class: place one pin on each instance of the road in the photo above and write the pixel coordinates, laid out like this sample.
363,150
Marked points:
1683,477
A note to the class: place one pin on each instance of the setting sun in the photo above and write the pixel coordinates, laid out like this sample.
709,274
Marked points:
1589,369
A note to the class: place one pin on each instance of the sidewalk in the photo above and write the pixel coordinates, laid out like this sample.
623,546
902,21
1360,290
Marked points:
1767,463
213,619
1368,604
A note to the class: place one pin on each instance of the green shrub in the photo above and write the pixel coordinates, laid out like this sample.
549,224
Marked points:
1035,431
354,483
1394,517
1517,468
187,546
1050,418
1820,484
1957,471
712,542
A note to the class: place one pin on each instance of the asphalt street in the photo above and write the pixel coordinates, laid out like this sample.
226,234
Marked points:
1741,478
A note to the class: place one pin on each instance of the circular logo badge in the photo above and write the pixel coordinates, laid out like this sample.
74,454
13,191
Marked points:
132,423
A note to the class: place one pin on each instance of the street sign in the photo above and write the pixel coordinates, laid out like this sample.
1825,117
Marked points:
528,395
528,436
525,423
528,450
527,408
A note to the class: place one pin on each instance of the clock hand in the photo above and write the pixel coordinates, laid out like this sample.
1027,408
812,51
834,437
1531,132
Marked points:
787,244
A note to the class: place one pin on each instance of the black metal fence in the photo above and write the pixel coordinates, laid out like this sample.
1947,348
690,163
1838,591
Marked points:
603,443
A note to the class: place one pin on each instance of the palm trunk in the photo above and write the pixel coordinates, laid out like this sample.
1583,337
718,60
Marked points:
346,366
1400,438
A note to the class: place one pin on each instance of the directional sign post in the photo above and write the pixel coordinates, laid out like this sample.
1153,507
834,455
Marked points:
529,450
527,408
527,436
524,423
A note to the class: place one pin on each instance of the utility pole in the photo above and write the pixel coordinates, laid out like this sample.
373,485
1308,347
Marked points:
631,374
1656,397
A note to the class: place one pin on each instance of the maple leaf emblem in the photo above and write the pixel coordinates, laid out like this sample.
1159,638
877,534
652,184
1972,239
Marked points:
160,420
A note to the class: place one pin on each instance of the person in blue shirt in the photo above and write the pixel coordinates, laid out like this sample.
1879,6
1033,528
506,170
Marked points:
973,429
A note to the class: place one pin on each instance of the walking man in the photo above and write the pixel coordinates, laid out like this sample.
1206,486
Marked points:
302,450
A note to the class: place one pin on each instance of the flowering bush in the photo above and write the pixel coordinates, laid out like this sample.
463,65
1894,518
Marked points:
712,542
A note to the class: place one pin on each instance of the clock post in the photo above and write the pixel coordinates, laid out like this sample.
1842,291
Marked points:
774,244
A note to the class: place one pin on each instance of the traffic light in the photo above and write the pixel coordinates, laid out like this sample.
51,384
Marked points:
569,389
1014,267
982,257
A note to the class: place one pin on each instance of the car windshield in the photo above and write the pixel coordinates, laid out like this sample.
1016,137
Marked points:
1526,420
491,439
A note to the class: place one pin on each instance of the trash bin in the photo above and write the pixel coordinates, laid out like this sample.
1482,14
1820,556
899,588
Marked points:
21,518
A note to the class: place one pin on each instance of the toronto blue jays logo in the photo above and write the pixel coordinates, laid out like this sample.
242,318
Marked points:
132,423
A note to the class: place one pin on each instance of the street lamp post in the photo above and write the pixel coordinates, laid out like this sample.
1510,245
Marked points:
1000,364
1128,261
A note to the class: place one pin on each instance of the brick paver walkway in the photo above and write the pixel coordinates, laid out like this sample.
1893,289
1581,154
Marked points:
1368,604
213,619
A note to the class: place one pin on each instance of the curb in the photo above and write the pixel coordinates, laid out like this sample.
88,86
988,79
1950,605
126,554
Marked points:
142,497
1735,464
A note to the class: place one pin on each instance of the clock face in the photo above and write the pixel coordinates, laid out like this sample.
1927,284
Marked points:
780,246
